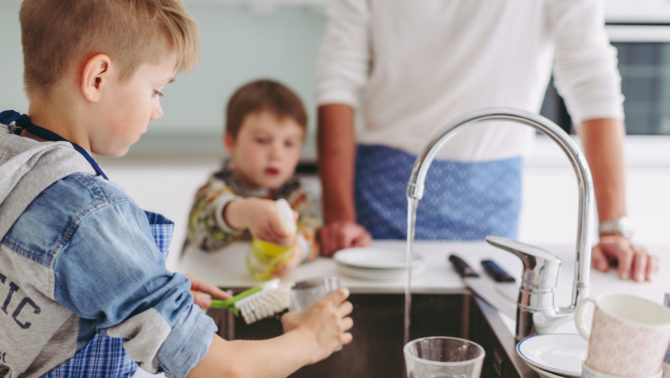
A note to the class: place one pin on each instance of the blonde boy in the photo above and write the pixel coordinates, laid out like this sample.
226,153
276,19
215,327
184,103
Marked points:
83,286
264,133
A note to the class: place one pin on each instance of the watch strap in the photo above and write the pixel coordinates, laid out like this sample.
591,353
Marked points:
620,226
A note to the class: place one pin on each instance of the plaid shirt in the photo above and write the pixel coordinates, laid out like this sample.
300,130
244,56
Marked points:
104,356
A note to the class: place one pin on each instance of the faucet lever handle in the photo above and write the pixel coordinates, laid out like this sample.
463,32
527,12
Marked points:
540,266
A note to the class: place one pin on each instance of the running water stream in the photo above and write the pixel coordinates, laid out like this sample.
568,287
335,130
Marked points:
412,204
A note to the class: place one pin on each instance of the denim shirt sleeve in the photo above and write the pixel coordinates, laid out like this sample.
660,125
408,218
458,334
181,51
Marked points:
111,273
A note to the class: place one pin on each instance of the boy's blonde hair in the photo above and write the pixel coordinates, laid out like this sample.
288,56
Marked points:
56,34
263,95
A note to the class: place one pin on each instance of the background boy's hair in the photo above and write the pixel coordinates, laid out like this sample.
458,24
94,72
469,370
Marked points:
263,95
59,35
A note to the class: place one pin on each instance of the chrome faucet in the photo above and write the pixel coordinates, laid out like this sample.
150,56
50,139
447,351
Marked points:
536,311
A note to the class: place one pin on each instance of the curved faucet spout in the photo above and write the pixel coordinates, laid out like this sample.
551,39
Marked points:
415,186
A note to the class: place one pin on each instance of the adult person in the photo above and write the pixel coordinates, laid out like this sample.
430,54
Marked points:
405,68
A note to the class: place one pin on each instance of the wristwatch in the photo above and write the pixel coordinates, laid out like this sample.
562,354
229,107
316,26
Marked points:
621,226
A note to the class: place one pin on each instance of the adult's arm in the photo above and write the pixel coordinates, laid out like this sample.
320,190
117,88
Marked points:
603,146
585,69
337,153
341,73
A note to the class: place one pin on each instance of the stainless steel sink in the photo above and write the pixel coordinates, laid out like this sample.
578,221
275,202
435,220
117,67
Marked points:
378,333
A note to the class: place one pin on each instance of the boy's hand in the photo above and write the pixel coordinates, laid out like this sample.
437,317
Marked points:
203,292
325,324
261,218
287,268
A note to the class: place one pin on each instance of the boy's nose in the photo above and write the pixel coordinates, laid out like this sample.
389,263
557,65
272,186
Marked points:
157,112
276,150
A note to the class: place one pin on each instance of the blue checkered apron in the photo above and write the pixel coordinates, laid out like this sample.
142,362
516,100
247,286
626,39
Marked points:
104,356
461,201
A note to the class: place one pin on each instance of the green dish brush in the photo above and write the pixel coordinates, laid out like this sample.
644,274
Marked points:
258,302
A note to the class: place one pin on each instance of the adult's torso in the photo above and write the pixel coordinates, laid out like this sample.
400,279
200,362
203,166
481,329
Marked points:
434,60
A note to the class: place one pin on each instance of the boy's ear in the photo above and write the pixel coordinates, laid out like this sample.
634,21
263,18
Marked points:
95,76
229,142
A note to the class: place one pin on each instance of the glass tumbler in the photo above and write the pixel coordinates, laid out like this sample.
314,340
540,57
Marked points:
305,293
443,357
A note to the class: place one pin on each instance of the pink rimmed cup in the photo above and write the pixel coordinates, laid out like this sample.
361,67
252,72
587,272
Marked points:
628,335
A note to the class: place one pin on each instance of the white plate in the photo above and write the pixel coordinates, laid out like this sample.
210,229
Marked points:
376,274
369,258
542,373
560,353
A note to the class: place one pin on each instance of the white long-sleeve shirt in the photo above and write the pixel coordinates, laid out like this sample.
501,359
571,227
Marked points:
409,67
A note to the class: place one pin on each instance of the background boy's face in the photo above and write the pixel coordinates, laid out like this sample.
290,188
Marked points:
129,106
266,150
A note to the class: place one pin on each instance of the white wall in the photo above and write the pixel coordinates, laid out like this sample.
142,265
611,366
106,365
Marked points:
550,197
238,43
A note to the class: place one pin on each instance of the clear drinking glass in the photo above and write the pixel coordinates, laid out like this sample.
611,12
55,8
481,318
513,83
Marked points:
443,357
306,293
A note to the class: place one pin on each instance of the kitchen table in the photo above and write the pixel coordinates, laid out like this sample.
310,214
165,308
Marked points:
436,279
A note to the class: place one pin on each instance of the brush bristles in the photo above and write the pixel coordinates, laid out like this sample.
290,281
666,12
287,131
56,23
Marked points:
264,304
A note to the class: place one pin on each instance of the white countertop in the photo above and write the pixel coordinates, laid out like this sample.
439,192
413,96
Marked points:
226,268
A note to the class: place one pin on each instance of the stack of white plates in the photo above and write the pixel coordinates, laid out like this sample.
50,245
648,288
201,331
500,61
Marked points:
554,355
375,264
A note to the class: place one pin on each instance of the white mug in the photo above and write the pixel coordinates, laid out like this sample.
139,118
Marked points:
587,372
666,360
628,335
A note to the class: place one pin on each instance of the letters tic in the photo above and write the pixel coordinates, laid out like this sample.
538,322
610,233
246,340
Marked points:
22,303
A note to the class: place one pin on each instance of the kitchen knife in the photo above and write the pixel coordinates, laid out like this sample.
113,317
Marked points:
482,287
496,272
506,284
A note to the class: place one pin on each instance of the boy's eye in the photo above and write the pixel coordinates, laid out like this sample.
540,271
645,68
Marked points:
289,143
158,93
262,140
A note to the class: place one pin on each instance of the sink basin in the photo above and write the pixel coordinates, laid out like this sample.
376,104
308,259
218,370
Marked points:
378,333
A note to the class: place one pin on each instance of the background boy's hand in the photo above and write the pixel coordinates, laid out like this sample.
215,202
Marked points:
203,292
326,323
261,218
287,268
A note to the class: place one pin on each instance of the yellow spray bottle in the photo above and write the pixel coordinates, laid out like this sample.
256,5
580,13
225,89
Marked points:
264,257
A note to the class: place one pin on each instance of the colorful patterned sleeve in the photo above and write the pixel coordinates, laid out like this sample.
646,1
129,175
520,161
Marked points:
207,230
308,223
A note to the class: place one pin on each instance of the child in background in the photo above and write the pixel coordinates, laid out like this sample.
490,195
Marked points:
265,129
83,283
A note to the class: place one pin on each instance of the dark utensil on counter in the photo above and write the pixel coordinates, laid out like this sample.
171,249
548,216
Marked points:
507,285
496,272
482,287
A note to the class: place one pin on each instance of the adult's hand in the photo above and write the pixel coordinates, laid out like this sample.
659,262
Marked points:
633,261
338,235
